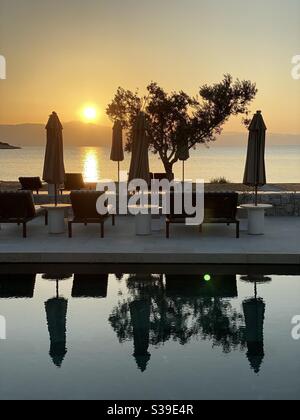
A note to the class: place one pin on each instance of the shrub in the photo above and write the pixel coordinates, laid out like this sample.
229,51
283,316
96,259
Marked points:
219,180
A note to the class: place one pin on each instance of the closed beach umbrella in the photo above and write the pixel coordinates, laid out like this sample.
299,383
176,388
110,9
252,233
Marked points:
117,153
54,169
56,311
254,312
255,171
140,318
139,166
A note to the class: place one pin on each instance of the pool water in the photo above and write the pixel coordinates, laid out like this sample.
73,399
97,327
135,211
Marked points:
149,336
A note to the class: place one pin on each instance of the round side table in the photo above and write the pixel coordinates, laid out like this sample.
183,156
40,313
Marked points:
56,217
256,218
143,220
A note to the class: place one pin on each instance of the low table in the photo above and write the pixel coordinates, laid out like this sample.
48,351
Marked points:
256,217
143,221
56,217
157,223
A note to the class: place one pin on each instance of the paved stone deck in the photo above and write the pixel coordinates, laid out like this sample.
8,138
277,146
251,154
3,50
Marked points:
216,245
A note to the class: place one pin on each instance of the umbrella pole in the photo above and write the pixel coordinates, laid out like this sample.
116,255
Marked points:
118,174
256,195
57,293
55,195
255,290
183,174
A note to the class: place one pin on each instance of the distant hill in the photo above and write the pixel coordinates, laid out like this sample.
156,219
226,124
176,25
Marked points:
75,134
240,139
81,134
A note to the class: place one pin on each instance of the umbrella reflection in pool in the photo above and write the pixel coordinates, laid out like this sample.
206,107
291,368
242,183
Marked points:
140,318
56,312
254,312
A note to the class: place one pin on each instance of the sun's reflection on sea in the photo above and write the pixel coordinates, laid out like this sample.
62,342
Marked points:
90,160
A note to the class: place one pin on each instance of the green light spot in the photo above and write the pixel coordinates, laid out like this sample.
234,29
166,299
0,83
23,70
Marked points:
207,277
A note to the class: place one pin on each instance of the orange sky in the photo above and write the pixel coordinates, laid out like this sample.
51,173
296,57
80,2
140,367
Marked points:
62,54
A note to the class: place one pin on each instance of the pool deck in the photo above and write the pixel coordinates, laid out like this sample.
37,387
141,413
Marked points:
216,245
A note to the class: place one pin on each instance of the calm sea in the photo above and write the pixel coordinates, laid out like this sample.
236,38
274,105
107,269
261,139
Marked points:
283,163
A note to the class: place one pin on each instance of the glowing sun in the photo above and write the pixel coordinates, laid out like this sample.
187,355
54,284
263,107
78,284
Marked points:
90,114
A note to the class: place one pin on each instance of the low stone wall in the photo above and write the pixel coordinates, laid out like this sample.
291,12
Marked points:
284,203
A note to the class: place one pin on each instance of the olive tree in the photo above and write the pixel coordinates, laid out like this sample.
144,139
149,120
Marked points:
177,119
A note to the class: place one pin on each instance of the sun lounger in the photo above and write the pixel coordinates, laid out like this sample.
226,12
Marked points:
18,208
31,184
73,182
219,208
85,211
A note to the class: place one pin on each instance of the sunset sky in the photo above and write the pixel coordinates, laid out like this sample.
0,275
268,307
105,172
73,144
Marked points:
65,54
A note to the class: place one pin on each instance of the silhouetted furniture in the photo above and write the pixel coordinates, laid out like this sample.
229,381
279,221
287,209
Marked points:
17,286
222,208
85,211
220,286
73,182
31,184
218,208
90,286
18,207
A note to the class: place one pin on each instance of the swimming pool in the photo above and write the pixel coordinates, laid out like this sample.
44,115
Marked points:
183,335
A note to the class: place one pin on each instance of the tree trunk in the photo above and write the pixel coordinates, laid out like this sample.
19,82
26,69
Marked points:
168,168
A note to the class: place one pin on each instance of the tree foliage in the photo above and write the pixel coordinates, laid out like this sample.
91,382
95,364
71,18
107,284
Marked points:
175,119
179,318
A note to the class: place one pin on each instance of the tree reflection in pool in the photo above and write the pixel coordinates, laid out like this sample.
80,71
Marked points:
185,307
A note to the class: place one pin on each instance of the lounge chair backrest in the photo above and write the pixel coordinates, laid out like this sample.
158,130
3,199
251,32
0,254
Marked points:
31,183
216,205
175,198
16,205
74,182
220,205
84,204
